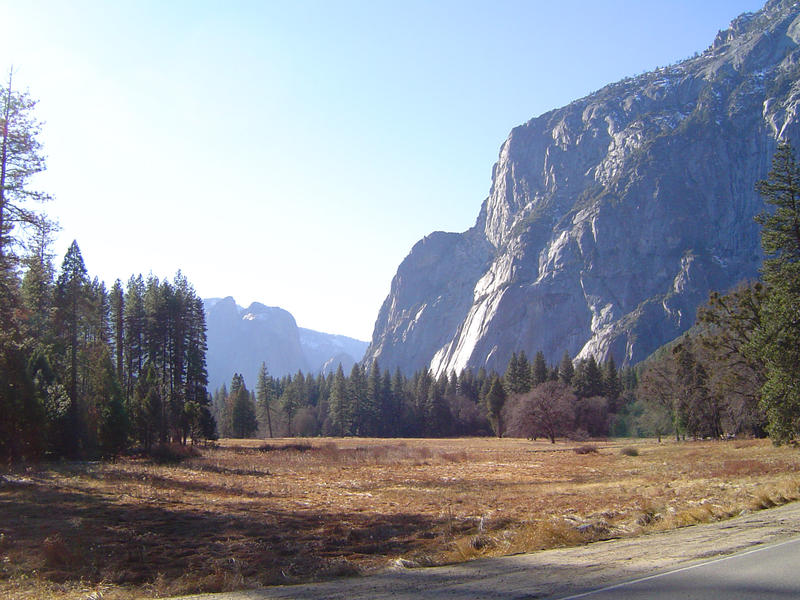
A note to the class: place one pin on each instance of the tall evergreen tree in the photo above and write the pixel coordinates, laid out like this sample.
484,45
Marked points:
778,337
539,369
339,404
72,302
265,395
566,370
373,401
243,413
612,388
292,398
38,285
134,333
588,379
495,400
117,313
20,160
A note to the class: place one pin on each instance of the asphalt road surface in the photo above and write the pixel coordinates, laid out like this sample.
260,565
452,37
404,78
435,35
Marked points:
765,573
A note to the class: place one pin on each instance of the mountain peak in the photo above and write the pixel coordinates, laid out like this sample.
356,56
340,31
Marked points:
241,339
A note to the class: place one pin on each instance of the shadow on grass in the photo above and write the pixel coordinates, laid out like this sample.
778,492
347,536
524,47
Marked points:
69,535
202,487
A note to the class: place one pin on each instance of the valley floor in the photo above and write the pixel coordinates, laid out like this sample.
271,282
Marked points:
566,573
257,513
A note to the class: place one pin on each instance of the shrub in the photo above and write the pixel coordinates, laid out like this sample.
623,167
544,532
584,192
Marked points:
586,449
297,447
629,451
172,453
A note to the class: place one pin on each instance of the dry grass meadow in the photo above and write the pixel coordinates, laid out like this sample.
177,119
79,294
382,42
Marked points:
248,513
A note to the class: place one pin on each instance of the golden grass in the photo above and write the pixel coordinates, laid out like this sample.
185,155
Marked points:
249,513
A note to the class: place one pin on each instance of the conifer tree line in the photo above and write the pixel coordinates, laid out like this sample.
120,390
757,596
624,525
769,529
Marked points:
85,371
377,403
89,371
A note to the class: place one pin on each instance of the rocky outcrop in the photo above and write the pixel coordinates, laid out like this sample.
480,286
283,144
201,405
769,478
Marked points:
609,220
240,339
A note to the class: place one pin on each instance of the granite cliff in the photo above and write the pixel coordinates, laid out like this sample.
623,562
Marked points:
608,220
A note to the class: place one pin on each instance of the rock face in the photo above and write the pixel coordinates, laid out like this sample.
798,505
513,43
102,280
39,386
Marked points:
240,339
609,220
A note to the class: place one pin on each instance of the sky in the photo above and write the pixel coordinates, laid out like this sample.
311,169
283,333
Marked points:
292,153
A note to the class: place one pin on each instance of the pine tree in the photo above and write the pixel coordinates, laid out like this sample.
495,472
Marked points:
566,370
291,398
396,425
21,411
612,387
588,379
777,340
437,414
145,407
38,285
265,395
72,302
539,369
495,400
108,421
117,313
371,409
134,333
243,413
20,160
358,400
339,404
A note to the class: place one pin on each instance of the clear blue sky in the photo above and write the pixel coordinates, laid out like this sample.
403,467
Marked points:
292,152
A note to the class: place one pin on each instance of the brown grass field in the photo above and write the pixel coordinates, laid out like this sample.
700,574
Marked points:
247,514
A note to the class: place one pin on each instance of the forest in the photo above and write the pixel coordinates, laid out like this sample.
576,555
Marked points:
86,371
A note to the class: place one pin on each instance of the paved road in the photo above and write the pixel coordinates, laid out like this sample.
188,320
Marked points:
564,572
765,573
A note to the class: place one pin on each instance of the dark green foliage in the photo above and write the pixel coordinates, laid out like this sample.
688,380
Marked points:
97,389
517,378
340,407
587,380
265,395
243,412
539,371
85,372
495,400
612,387
21,413
291,398
780,226
777,338
566,370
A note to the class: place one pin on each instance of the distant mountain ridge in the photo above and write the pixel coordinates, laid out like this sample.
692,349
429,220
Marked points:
240,339
609,220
